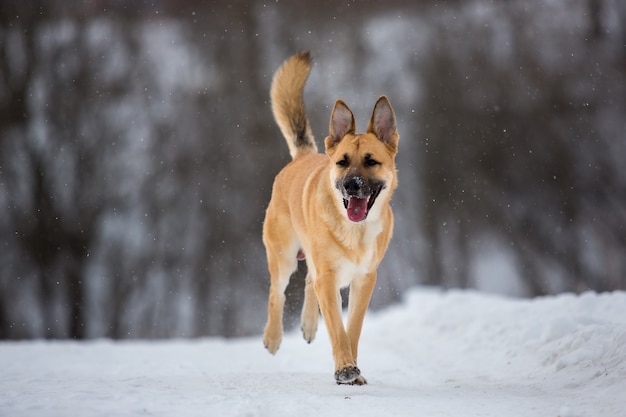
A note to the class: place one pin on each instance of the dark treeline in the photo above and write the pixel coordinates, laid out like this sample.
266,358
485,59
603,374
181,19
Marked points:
137,152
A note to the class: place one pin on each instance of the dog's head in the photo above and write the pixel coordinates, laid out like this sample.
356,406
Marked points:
363,172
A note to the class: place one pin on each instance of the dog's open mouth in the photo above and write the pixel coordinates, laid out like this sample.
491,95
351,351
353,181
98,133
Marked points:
358,208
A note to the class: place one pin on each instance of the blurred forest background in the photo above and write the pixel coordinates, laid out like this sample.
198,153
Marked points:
138,149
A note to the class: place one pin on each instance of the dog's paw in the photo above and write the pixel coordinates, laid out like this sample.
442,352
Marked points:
360,380
271,347
349,375
309,329
271,343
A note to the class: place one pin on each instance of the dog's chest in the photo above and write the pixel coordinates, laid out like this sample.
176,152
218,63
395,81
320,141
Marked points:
347,270
360,259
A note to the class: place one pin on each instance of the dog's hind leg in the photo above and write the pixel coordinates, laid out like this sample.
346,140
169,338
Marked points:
280,272
281,266
282,247
310,310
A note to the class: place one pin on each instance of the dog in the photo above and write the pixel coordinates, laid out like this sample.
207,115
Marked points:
332,209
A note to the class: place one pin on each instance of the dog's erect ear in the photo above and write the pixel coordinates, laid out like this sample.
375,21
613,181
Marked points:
383,123
341,123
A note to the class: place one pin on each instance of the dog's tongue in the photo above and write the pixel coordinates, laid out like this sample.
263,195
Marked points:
357,209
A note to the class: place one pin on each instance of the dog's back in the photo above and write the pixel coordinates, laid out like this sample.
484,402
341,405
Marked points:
286,94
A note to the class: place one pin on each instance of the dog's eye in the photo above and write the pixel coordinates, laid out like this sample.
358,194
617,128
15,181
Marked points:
343,162
370,162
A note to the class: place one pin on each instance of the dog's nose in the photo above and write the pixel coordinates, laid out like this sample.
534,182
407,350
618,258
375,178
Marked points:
353,185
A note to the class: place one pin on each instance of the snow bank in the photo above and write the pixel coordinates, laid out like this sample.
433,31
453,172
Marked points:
454,353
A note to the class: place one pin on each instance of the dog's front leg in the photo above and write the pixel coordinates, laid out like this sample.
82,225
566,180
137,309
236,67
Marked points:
327,291
361,290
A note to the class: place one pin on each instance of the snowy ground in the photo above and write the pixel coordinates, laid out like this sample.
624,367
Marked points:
438,354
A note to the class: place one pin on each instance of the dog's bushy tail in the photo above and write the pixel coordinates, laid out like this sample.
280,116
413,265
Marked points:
286,94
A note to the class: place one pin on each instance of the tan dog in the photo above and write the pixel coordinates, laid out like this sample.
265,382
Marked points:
334,208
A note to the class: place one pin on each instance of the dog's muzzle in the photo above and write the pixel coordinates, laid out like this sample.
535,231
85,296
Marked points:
359,195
